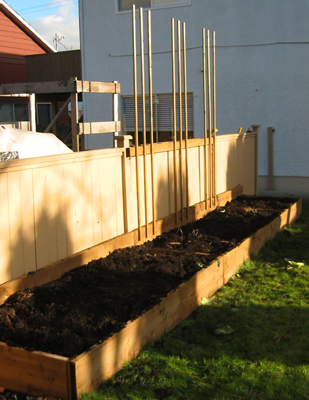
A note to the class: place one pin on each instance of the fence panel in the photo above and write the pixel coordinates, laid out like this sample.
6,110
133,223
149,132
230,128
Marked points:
53,207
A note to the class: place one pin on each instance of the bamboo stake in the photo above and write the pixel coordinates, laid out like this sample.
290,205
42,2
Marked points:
144,115
186,113
205,122
209,124
215,114
180,116
136,122
174,120
151,118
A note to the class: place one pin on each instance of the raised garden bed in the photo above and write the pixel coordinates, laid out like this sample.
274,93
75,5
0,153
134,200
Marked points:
98,316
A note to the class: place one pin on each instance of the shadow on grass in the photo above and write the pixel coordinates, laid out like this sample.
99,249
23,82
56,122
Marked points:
265,355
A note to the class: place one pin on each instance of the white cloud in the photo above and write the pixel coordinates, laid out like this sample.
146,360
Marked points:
64,22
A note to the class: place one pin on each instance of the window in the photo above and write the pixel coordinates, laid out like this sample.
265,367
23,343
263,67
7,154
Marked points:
43,112
11,112
126,5
162,117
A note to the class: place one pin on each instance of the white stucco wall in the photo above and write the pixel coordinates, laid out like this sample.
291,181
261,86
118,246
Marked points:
262,59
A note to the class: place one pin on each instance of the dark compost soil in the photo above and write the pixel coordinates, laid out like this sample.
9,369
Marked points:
90,303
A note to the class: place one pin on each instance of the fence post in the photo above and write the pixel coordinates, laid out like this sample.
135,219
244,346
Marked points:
32,112
74,121
270,185
115,113
255,129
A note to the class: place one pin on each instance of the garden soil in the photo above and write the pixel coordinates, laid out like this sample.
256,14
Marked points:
90,303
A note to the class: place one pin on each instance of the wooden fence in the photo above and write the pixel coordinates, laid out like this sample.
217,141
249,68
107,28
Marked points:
53,207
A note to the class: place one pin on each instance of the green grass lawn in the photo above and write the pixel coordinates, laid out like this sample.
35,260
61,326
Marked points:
264,353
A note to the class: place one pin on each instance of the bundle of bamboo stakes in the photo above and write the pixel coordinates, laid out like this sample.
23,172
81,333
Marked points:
209,116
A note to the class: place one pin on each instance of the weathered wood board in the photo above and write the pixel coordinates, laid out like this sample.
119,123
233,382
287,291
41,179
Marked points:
68,378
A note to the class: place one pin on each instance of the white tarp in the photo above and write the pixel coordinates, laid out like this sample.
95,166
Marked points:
30,144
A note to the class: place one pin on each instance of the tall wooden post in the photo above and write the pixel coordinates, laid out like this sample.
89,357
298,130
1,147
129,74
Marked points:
186,113
180,116
151,119
205,120
209,124
115,114
32,112
270,138
174,121
214,116
144,116
136,121
74,121
255,129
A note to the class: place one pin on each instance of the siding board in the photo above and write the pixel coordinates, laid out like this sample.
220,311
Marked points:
14,39
28,229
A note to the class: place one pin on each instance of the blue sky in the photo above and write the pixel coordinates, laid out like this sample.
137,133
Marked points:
49,17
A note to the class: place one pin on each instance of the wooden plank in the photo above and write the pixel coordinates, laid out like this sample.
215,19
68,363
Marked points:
57,191
108,200
74,121
171,182
161,195
249,167
163,147
44,215
125,206
38,87
69,86
229,195
119,197
270,184
132,203
201,172
47,161
97,87
91,128
5,245
87,194
27,216
69,195
223,166
194,167
34,373
96,202
16,239
79,205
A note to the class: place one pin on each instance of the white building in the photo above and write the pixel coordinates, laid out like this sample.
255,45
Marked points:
262,59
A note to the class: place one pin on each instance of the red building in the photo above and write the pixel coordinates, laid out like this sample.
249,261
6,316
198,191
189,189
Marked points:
17,40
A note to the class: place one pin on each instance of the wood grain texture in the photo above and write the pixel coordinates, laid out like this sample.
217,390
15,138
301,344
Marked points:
90,128
34,373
